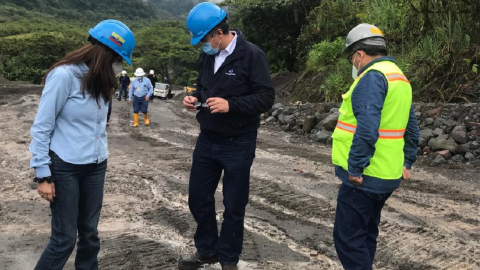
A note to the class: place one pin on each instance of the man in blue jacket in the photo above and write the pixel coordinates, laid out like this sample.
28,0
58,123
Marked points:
233,88
374,144
124,81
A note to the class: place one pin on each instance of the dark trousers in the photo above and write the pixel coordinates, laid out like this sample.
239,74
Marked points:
356,226
212,155
75,209
140,105
124,90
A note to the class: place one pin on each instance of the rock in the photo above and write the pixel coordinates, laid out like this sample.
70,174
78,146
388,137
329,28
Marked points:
434,112
329,141
270,120
442,142
457,159
320,116
463,149
426,134
422,143
277,106
419,151
313,253
438,131
469,156
418,114
429,121
418,108
475,163
474,145
288,111
459,136
445,154
289,119
275,113
322,136
334,110
281,119
309,123
460,128
330,122
319,126
437,161
427,151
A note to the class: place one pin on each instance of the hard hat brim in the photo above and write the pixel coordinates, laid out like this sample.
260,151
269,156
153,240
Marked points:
139,74
196,40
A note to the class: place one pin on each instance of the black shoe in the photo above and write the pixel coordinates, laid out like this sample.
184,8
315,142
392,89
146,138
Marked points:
119,99
229,267
194,261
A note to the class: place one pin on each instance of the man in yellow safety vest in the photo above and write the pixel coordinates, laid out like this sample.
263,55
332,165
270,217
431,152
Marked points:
374,144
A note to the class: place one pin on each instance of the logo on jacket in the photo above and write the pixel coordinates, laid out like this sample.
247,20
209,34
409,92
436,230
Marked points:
230,73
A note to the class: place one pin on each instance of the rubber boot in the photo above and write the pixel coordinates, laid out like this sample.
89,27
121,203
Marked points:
147,122
135,120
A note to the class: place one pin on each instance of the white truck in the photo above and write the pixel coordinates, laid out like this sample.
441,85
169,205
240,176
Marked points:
162,91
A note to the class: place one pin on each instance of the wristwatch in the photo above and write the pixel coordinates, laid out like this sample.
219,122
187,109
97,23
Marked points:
49,180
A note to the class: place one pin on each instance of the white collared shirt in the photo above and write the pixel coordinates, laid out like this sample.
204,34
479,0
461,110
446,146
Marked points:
220,58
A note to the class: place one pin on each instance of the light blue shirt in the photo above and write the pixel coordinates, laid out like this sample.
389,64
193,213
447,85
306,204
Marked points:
140,88
69,124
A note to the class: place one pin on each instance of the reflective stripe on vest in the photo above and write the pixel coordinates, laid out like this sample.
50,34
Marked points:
383,133
396,77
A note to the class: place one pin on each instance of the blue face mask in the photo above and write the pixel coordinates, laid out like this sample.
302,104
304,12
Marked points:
208,49
140,78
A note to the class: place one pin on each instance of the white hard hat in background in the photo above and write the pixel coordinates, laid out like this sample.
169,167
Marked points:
151,71
139,72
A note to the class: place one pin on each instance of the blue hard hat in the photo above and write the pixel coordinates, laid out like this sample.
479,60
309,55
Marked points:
202,19
117,36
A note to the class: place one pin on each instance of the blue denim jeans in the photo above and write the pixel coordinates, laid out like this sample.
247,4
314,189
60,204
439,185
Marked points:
140,105
355,230
212,155
75,209
124,90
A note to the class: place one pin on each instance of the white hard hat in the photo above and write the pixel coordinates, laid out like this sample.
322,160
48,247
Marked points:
367,34
124,72
151,71
139,72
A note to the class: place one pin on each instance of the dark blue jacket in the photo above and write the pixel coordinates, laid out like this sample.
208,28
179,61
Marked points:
367,103
244,81
124,80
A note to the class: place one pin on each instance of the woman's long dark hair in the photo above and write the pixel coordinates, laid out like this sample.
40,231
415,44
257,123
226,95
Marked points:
100,80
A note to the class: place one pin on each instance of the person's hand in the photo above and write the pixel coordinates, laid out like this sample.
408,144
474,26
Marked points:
218,105
129,101
189,103
357,181
407,174
46,190
147,98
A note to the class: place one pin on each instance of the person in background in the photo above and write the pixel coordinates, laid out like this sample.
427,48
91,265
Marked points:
233,88
124,81
153,79
374,144
69,142
165,80
140,91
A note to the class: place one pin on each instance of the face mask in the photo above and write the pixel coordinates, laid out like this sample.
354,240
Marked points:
208,48
140,78
117,68
354,69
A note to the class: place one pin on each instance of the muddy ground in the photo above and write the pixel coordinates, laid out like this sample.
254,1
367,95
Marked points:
431,222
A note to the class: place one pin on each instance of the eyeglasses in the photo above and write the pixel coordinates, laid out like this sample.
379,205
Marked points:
349,58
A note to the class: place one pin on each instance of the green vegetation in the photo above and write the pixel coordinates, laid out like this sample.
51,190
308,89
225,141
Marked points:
37,33
435,42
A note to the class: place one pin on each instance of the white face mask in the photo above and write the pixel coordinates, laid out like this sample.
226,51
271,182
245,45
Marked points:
354,69
117,68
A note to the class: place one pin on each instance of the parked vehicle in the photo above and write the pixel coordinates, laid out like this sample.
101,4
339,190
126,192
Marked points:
162,91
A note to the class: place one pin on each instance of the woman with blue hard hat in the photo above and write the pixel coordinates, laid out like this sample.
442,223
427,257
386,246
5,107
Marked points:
69,142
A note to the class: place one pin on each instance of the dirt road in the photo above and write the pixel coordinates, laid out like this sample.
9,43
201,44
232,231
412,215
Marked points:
431,222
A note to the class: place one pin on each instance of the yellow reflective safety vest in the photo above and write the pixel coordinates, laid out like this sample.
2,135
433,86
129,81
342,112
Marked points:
387,162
